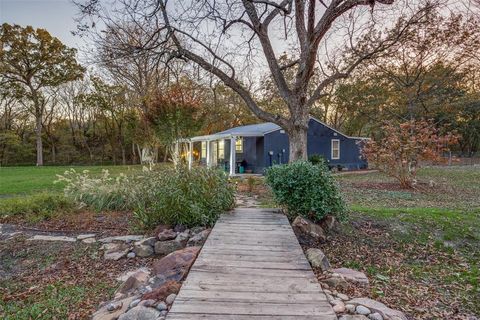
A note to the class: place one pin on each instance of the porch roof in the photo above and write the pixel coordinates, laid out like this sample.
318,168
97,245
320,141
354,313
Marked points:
252,130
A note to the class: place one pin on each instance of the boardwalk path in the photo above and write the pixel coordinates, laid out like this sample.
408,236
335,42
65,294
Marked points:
251,267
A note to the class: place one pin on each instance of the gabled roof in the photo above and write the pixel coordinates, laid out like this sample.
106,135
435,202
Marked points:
254,130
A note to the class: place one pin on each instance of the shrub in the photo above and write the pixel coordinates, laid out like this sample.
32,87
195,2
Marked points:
317,159
404,147
35,207
103,192
193,197
305,189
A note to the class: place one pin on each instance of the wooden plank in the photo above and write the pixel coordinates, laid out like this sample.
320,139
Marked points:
251,267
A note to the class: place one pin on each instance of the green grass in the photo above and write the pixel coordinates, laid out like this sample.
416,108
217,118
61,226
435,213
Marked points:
27,180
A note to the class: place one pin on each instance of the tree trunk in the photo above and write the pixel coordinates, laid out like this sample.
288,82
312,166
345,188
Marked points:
297,137
38,136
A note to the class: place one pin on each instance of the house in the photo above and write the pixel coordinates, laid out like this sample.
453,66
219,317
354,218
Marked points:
252,148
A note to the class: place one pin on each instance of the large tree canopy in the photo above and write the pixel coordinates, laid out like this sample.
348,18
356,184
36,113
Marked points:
230,39
31,60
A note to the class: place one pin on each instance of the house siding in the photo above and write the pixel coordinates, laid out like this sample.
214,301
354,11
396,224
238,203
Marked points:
319,139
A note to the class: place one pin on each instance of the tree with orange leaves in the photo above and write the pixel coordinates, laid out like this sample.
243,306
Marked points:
405,147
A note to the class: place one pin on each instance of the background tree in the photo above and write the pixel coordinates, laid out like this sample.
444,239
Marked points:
31,60
402,148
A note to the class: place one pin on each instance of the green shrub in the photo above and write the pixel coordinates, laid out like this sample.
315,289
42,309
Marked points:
35,207
103,192
305,189
317,159
193,197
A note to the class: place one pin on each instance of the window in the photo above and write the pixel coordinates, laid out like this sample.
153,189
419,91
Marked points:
204,149
335,149
221,149
239,145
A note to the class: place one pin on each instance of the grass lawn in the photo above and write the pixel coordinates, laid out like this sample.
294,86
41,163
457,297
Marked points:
27,180
420,248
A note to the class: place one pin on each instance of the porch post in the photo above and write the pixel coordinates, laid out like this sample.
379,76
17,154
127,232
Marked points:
190,155
233,141
176,157
209,160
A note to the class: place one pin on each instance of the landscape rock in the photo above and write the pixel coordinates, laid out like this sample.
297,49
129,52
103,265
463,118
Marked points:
342,296
166,247
183,237
353,276
307,232
167,234
127,239
336,282
147,242
163,291
375,316
179,228
104,314
362,310
161,306
169,300
51,238
140,313
338,306
115,251
85,236
196,230
123,277
328,223
174,266
376,306
147,303
199,238
353,317
134,281
318,259
89,240
131,255
350,308
134,303
143,250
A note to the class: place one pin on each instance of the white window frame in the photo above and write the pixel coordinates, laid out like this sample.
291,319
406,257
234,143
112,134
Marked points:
203,148
221,149
332,148
239,145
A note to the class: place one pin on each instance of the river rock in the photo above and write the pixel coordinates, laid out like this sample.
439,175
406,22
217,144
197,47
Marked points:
362,310
134,281
183,237
336,282
39,237
140,313
307,232
169,300
199,238
353,276
353,317
376,306
166,247
85,236
104,314
375,316
167,234
143,250
147,242
318,259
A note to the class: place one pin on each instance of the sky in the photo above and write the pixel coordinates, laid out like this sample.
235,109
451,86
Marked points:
57,16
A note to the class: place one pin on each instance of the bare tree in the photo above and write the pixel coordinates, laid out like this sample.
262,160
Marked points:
226,38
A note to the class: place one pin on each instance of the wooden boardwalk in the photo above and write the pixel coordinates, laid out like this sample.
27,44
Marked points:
251,267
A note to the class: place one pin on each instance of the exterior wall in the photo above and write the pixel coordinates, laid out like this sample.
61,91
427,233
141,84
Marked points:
275,142
318,142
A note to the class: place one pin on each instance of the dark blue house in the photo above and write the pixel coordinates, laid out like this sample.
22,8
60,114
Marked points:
252,148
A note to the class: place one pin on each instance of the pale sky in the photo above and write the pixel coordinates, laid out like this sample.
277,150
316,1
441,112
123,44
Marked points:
57,16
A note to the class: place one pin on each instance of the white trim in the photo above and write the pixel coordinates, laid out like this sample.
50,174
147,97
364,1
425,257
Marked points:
331,149
232,155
